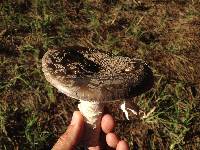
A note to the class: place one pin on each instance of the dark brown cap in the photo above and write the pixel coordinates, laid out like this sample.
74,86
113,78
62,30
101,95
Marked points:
94,75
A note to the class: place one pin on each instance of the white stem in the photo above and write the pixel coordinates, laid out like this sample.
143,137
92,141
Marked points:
92,112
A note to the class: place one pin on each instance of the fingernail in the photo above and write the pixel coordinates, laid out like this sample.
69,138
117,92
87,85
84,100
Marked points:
74,118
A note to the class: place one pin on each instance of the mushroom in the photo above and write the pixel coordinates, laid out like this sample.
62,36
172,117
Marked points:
95,77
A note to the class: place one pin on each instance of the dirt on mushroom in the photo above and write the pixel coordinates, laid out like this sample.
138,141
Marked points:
164,33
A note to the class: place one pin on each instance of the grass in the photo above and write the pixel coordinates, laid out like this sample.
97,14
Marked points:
165,34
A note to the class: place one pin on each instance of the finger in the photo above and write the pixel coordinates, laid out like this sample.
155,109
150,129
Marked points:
94,148
107,123
72,135
122,145
112,140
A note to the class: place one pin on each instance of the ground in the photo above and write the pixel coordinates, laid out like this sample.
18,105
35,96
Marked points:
166,34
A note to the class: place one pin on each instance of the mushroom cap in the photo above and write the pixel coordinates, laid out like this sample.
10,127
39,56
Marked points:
94,75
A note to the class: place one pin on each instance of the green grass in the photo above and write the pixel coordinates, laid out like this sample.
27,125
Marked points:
174,113
33,114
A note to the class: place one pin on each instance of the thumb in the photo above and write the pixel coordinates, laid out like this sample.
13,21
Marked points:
72,136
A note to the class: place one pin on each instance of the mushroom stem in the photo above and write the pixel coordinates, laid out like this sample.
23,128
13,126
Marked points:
92,112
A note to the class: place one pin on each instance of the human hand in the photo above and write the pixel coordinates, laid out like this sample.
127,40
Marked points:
74,131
